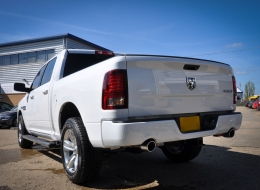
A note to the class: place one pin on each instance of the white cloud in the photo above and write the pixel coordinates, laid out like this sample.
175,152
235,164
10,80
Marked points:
73,26
241,72
234,45
53,22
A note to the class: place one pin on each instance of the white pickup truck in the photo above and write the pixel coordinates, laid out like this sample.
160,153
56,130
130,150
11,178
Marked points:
89,102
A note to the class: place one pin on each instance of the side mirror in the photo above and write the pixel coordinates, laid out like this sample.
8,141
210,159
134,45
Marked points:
20,87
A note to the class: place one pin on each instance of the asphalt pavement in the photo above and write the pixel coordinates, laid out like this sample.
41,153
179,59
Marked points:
224,163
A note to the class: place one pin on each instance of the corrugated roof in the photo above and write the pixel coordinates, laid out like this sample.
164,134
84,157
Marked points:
97,47
239,90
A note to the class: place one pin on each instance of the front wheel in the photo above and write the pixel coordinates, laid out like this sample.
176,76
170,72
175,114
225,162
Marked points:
14,123
181,153
81,161
23,143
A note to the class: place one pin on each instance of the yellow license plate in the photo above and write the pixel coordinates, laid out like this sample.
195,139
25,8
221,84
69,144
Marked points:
189,124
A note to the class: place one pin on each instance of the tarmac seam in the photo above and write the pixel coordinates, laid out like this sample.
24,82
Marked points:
8,145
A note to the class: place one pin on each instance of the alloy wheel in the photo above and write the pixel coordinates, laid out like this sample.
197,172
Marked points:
70,151
20,132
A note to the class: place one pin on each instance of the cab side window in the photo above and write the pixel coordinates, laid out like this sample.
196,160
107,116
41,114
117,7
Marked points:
44,75
77,62
36,82
48,72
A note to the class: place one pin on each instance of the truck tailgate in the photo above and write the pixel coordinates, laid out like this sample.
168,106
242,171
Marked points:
171,85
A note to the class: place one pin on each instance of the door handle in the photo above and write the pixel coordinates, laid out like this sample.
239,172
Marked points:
45,92
32,97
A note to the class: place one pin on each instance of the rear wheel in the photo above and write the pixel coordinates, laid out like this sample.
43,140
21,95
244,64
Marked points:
23,143
181,153
81,161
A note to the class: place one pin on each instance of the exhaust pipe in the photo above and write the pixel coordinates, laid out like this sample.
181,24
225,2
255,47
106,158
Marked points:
148,146
229,134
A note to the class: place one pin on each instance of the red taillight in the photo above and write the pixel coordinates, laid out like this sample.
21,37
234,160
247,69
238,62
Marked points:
234,90
98,52
115,90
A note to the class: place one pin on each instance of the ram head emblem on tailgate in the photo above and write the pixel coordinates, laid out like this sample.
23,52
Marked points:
191,82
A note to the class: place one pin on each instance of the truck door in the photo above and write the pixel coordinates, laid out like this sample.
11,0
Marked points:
28,112
42,121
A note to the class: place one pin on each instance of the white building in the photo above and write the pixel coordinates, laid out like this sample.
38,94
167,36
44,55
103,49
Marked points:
22,60
239,94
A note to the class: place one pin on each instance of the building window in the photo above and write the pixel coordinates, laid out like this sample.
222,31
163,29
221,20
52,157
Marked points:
14,59
1,61
6,60
49,54
41,56
23,58
31,57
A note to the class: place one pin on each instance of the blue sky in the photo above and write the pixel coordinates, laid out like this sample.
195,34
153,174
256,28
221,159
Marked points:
222,30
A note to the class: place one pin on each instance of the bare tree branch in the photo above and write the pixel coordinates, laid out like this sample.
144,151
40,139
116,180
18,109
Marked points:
249,89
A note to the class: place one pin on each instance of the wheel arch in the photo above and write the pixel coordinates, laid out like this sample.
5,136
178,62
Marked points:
67,111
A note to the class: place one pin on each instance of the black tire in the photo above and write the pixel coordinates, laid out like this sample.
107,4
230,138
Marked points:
14,123
84,162
23,143
181,153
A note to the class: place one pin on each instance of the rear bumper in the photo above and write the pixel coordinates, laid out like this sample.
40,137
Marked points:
120,134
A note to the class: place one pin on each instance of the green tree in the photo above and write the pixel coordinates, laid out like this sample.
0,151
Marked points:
249,89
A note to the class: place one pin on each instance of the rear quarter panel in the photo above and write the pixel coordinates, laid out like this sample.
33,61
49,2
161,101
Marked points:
84,90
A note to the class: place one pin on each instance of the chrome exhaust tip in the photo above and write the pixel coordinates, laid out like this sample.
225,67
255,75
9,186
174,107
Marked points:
148,146
229,134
